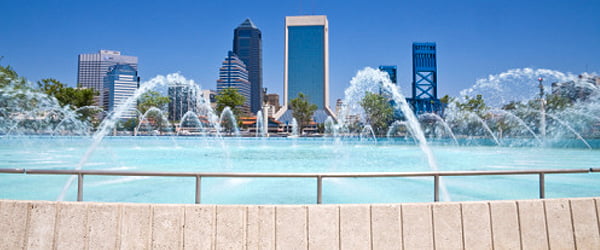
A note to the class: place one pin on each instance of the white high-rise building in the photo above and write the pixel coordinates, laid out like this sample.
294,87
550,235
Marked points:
93,68
120,84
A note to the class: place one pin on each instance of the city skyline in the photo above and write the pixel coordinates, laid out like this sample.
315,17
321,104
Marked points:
474,38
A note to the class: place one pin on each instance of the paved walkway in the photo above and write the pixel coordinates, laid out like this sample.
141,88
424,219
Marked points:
528,224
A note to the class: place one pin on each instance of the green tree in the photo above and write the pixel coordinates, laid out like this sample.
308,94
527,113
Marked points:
9,76
128,125
302,110
152,99
379,112
557,102
447,99
74,97
476,105
513,105
230,97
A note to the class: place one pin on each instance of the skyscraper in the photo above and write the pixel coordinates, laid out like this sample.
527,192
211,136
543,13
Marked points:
120,83
306,63
92,68
233,74
247,45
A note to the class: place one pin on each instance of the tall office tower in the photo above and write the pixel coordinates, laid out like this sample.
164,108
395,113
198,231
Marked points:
392,71
233,74
120,83
92,68
247,45
306,63
183,98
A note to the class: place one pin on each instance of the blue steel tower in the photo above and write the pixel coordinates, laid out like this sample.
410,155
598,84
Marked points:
392,71
424,86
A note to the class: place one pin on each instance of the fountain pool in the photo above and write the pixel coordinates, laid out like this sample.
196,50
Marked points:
207,154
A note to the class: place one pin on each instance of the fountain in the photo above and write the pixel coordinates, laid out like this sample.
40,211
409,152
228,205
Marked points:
367,134
228,122
153,122
190,124
46,136
295,132
330,127
444,124
260,126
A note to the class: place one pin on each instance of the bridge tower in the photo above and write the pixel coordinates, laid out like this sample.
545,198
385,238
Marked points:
424,86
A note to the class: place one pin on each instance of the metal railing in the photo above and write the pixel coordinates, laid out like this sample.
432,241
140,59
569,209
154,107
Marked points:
319,176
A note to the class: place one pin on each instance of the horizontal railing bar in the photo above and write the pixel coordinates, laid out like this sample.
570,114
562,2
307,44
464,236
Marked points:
12,170
298,175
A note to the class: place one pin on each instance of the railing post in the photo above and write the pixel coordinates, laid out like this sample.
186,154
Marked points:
80,187
542,188
319,189
198,184
436,187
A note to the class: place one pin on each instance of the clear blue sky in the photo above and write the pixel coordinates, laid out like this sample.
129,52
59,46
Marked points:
42,39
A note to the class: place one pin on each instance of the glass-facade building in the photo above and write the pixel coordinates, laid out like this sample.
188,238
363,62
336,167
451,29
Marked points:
120,83
233,74
247,45
306,67
92,68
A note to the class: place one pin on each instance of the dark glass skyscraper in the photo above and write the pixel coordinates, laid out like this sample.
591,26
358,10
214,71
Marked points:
247,45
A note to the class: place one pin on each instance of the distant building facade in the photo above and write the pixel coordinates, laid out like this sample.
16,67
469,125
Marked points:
306,65
273,100
120,83
392,71
93,68
339,105
233,74
210,97
182,98
272,103
247,45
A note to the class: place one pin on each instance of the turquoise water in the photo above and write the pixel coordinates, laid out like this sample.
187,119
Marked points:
286,155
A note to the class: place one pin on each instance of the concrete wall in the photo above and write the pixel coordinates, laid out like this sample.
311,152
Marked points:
528,224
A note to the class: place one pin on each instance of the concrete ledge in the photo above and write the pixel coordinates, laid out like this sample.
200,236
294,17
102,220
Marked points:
539,224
